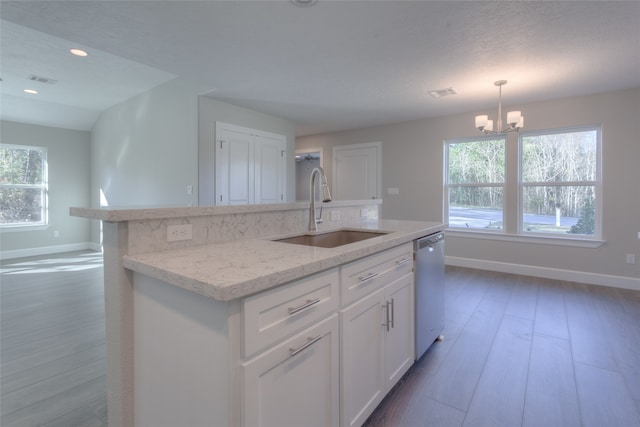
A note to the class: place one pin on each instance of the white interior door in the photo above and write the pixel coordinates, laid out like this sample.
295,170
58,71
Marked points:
234,168
356,171
269,169
251,166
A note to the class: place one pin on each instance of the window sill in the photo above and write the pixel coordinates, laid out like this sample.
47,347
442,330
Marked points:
16,228
540,240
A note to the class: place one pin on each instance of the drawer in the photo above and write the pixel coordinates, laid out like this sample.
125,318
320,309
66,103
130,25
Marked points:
272,315
360,278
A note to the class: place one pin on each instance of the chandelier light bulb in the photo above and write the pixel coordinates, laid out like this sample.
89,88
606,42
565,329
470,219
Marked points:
514,122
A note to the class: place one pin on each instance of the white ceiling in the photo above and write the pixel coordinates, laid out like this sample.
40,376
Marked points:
333,66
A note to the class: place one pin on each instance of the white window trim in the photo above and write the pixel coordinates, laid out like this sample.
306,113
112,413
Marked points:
597,184
502,185
44,223
545,239
521,236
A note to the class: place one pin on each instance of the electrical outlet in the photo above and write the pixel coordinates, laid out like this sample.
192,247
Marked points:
56,233
335,215
364,212
179,232
189,189
631,258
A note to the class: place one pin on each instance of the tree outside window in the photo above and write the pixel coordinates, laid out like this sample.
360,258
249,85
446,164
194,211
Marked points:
475,183
23,185
559,181
558,177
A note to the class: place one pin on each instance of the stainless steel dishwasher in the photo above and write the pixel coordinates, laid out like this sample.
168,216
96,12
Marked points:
429,265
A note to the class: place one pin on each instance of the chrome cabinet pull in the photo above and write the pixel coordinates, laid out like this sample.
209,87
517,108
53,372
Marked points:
390,312
386,308
309,343
403,261
307,304
368,277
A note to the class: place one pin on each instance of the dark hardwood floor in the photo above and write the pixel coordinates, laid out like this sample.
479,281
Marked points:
52,342
517,351
523,351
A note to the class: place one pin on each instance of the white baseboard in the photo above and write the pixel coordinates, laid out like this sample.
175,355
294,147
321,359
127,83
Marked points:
548,273
45,250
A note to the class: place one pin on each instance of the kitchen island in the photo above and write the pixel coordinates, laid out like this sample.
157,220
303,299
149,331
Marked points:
186,340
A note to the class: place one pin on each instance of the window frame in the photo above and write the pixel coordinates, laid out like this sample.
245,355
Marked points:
43,187
597,184
448,185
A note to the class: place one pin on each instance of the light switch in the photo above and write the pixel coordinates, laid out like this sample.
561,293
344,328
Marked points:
393,191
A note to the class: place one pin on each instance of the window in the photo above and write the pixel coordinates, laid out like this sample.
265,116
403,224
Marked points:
554,181
475,182
23,185
559,182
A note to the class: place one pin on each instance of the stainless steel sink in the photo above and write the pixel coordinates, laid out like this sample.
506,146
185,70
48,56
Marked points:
332,239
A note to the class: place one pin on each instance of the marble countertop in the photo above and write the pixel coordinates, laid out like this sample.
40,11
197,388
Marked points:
231,270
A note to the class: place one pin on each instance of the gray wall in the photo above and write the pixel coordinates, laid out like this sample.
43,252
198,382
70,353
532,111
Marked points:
144,150
148,149
68,158
412,160
210,111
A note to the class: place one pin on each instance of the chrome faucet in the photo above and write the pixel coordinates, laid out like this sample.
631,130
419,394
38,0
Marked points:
326,197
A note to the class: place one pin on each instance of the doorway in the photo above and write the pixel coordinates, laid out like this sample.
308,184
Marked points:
305,162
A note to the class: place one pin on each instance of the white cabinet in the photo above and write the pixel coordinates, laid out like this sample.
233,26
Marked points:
295,383
274,314
377,333
250,166
323,350
399,336
362,359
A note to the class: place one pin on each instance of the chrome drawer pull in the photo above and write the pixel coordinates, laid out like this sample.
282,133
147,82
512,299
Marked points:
403,261
368,277
307,304
310,342
393,313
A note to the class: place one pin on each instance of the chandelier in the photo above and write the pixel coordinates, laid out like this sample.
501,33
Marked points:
515,121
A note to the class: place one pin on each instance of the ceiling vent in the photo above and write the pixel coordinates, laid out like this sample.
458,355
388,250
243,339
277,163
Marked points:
41,79
442,92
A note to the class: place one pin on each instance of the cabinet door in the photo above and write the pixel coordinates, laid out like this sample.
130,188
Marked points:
399,340
234,168
295,383
269,169
362,379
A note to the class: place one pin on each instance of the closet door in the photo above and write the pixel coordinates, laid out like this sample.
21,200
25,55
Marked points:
251,166
234,167
270,169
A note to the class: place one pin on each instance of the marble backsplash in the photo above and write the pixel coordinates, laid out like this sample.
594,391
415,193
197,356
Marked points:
150,235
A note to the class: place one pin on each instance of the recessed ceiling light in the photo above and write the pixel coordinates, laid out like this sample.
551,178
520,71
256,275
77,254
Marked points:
31,91
79,52
304,3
